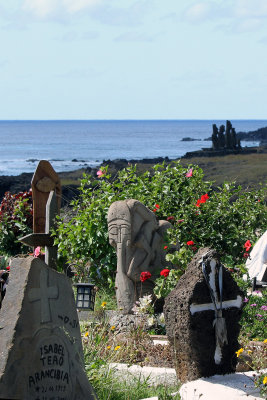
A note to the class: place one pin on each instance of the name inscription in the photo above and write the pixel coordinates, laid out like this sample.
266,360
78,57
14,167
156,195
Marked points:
51,378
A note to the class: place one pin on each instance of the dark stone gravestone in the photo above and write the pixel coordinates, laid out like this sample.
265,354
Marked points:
202,319
41,356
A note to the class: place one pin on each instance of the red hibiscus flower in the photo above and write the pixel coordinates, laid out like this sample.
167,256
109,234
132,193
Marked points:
157,206
190,243
202,200
247,245
189,173
8,268
245,255
165,272
144,276
171,218
165,247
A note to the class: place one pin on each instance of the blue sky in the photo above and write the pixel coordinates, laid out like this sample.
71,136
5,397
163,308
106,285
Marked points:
133,59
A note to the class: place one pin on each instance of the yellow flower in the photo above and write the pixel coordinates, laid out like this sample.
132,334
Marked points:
238,352
112,328
108,347
265,341
264,380
104,304
117,348
249,351
86,334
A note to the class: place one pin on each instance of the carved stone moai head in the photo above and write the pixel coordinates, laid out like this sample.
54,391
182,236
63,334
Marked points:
138,239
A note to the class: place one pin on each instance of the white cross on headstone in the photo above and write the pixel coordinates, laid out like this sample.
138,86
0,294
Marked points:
194,308
44,294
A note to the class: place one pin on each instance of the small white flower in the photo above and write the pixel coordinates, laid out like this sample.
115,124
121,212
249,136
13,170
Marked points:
151,320
161,319
257,293
145,302
245,277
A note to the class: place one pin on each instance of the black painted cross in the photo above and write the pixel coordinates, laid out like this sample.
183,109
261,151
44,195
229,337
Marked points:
45,239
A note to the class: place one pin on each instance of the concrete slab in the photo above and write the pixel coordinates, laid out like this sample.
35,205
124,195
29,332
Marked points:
238,386
157,376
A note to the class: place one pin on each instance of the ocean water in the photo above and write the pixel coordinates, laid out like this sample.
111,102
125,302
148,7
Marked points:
70,145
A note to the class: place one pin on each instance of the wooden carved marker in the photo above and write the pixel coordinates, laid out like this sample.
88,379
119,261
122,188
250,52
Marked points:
44,180
45,239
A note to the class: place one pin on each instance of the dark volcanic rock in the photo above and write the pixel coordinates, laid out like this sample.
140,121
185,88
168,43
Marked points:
190,315
188,139
258,135
15,184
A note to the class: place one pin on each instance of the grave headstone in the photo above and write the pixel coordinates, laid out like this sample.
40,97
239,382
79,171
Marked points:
257,263
138,238
45,239
44,180
202,318
41,356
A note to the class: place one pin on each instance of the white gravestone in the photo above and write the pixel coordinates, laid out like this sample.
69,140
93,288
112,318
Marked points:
257,263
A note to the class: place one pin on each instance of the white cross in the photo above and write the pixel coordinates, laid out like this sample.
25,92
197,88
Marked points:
44,294
194,308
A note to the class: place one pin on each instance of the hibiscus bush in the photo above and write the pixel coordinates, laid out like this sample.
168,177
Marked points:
15,222
201,214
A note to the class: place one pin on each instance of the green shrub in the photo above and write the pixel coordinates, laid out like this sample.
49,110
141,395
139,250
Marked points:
222,218
15,222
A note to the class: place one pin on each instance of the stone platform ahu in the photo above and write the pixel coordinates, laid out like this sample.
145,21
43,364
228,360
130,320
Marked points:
41,356
202,319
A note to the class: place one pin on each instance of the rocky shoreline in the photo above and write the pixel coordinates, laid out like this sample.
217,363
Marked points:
22,182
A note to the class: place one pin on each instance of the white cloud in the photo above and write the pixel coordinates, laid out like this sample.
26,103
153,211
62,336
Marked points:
234,15
73,6
131,15
135,37
250,8
46,8
41,8
199,12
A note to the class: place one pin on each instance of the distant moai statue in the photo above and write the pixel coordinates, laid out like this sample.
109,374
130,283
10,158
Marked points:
138,238
214,137
221,137
228,137
233,138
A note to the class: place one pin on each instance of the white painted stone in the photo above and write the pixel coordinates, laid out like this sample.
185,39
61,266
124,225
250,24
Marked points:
257,263
157,376
162,342
237,386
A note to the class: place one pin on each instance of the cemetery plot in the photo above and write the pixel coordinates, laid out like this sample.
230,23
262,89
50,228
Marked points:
202,315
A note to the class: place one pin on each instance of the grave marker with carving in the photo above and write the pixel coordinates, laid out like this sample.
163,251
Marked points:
202,315
138,238
45,239
41,355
